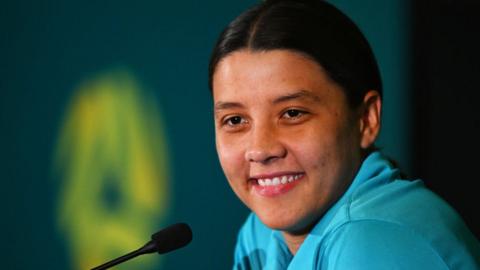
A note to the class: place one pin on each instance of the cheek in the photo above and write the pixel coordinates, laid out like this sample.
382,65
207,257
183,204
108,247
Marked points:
313,145
230,157
234,167
319,150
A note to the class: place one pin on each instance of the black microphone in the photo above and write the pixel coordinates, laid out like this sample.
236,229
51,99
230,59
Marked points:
163,241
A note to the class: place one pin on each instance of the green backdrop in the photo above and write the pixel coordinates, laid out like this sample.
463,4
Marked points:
106,129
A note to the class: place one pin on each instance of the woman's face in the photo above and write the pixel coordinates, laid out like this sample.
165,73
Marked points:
287,140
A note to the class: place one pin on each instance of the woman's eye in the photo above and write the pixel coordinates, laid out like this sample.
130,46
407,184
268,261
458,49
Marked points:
293,113
234,120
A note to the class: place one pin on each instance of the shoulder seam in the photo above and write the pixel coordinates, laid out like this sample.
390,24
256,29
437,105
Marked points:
349,205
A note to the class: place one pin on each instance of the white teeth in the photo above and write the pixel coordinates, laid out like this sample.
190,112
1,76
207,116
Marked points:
278,180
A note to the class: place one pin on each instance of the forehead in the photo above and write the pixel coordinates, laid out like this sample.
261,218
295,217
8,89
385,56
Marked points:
268,74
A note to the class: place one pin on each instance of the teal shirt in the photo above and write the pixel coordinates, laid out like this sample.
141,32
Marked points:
381,222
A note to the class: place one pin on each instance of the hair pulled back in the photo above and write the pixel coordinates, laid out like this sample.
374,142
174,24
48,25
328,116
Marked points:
314,28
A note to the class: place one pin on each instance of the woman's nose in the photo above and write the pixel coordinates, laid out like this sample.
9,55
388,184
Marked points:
264,146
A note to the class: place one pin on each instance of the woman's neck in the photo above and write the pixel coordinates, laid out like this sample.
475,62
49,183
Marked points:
294,241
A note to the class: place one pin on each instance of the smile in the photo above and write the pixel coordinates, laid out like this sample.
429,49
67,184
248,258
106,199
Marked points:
275,185
279,180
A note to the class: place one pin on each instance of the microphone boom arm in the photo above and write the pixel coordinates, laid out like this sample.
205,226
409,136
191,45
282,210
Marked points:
148,248
166,240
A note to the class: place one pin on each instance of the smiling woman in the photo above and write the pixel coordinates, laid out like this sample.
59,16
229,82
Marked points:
274,140
297,105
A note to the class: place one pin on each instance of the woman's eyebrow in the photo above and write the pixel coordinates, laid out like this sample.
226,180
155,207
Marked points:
227,105
301,94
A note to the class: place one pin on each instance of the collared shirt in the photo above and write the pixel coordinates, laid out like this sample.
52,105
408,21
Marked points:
380,222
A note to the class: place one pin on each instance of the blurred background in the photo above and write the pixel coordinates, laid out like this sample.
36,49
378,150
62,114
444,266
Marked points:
106,131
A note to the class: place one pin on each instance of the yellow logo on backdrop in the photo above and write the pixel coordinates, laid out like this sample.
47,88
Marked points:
113,162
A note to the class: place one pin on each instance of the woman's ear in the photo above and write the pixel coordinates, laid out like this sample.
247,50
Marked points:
370,118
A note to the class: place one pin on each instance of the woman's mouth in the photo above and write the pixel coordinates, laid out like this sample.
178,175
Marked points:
271,186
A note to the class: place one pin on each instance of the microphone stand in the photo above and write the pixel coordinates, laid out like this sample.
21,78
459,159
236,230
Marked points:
166,240
148,248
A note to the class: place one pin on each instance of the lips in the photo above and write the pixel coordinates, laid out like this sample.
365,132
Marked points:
275,184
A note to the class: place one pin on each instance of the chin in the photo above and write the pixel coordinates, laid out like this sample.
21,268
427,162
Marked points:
279,225
280,222
293,224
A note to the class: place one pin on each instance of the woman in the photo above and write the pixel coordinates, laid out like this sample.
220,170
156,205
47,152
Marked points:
297,105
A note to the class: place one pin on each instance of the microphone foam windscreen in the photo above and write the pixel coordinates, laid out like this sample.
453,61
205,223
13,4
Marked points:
172,237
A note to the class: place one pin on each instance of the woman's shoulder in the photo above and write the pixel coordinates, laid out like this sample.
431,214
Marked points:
401,219
376,244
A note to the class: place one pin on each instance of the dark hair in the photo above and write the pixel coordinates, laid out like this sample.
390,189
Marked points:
314,28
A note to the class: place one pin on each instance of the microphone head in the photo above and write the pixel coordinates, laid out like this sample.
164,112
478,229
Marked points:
171,238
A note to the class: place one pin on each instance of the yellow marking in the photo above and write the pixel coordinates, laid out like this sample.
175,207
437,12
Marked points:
111,142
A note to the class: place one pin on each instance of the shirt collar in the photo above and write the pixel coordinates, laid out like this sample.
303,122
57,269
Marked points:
375,170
